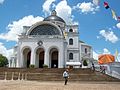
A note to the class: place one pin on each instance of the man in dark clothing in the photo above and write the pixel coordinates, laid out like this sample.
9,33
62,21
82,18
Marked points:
93,67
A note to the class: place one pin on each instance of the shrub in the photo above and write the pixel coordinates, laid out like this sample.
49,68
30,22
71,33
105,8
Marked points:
45,66
32,66
85,63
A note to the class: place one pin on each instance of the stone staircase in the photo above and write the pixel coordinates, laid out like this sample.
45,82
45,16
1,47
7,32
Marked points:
53,74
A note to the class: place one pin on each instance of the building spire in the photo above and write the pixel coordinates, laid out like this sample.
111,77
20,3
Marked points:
53,13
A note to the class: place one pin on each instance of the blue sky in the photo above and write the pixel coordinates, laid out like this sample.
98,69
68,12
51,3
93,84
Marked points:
96,24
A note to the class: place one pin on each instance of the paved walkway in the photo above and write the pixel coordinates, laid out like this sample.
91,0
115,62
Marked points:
34,85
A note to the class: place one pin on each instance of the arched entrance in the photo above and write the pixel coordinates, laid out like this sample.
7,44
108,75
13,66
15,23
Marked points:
54,58
40,57
26,57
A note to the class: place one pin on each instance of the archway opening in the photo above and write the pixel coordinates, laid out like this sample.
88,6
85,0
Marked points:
26,57
54,58
40,57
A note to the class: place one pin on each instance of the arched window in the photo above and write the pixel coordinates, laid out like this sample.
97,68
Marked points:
70,41
70,55
71,30
45,29
85,50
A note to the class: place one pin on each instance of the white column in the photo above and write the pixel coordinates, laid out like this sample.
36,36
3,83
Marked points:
21,60
19,55
32,58
80,53
18,58
12,62
46,58
37,60
9,63
65,55
60,59
25,59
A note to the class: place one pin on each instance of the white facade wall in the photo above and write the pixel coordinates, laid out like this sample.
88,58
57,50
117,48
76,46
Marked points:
88,49
75,42
50,42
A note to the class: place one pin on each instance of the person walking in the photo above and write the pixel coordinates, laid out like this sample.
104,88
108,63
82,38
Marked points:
93,67
66,76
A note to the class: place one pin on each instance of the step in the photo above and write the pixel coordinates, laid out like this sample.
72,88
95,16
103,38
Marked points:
54,74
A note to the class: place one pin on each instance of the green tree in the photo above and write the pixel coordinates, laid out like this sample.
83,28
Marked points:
3,61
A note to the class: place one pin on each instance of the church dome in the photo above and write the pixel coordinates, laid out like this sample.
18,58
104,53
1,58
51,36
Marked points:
54,17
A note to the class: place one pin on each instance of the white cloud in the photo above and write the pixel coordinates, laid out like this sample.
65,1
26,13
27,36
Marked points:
62,8
96,2
1,1
47,5
4,51
86,7
109,36
98,37
16,27
118,25
65,11
106,51
95,55
118,58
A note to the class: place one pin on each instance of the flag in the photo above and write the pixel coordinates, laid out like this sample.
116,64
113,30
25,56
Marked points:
106,5
96,2
118,18
114,14
116,54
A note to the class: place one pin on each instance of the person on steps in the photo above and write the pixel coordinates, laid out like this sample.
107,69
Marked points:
66,76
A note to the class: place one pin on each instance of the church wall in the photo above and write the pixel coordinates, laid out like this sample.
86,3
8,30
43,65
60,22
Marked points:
47,44
75,42
73,48
40,37
86,52
58,44
76,57
80,57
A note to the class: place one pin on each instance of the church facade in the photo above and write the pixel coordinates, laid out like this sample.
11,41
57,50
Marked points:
53,43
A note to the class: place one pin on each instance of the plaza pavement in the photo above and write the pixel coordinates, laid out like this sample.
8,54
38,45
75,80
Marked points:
47,85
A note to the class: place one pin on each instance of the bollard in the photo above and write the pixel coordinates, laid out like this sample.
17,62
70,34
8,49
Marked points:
22,77
5,76
12,76
19,76
26,76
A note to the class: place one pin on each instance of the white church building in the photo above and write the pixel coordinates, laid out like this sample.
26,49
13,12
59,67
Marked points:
51,42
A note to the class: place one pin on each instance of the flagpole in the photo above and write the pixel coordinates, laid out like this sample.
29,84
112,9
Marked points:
116,55
116,58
